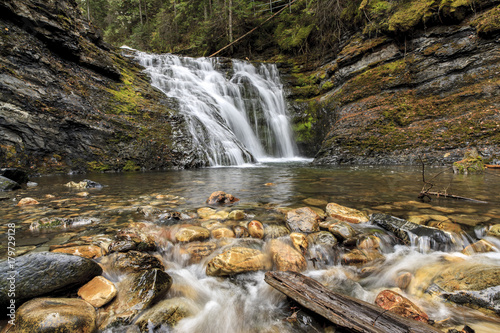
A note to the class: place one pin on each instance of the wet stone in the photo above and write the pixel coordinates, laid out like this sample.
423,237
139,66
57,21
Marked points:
275,231
394,302
238,260
299,242
256,229
361,257
56,315
342,231
167,312
236,215
221,198
131,261
324,238
240,231
285,257
222,233
199,250
315,202
27,202
494,231
86,251
44,273
192,233
7,184
303,220
98,291
346,214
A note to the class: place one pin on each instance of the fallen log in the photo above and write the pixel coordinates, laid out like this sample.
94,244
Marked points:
345,311
492,166
444,195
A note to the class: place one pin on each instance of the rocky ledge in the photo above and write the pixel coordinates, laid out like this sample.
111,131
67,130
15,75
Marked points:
68,101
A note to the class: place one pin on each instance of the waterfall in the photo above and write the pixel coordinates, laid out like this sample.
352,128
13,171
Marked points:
235,111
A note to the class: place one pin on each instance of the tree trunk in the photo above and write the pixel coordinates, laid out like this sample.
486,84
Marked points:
345,311
88,10
140,11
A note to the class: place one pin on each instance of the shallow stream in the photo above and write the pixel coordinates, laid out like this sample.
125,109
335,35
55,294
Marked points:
245,303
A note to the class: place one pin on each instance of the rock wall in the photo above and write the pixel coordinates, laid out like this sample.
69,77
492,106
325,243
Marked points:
428,90
69,102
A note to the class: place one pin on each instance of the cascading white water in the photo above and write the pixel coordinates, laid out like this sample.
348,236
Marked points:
233,119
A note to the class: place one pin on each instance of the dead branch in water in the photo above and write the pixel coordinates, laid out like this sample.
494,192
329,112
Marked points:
428,185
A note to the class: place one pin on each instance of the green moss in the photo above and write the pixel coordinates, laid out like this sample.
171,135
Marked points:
131,166
488,22
472,163
411,14
98,166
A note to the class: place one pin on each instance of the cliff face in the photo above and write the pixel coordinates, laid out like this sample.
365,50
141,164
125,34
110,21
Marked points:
424,86
69,102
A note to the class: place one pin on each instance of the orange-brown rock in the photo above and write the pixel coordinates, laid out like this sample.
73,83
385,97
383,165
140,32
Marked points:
303,220
394,302
286,258
221,198
27,202
238,260
256,229
480,246
346,214
222,233
299,242
403,280
98,291
240,231
192,233
86,251
199,250
360,257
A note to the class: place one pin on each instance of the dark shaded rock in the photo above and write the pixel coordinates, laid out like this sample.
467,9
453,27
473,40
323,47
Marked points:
135,293
17,175
45,273
169,312
7,184
406,231
56,315
324,238
86,183
240,231
222,199
342,230
484,299
275,231
132,239
131,261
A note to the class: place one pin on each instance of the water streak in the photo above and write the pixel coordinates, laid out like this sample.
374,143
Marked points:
235,116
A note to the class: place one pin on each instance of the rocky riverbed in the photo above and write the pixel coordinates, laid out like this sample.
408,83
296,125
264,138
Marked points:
135,255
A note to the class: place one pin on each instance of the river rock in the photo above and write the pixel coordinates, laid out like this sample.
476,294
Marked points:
7,184
324,238
285,257
169,312
132,239
405,231
240,231
238,260
303,220
315,202
222,233
135,293
86,251
131,261
368,242
299,242
236,215
346,214
361,257
394,302
27,202
275,231
56,315
446,226
98,292
44,273
256,229
17,175
342,230
494,231
205,212
467,275
199,250
481,246
86,183
403,280
221,198
192,233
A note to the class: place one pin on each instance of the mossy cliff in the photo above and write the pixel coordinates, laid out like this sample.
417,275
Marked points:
417,77
68,101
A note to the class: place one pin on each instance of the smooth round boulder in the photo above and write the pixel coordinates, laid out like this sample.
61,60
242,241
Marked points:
299,242
272,231
324,238
7,184
222,233
346,214
131,261
56,315
342,230
192,233
86,251
256,229
44,273
238,260
286,258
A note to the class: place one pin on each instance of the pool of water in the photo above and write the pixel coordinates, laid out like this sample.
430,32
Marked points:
262,189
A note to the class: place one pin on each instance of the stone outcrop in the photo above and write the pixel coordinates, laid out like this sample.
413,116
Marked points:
417,77
68,101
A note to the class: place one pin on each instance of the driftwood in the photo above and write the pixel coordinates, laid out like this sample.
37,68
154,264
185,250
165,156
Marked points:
492,166
348,312
444,195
